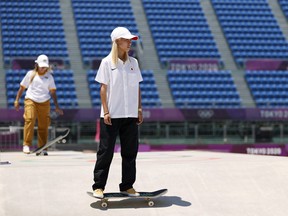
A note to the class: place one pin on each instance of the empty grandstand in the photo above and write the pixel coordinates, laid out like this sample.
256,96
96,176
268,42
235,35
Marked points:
190,92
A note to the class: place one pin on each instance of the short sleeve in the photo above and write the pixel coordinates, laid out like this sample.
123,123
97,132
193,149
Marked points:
26,80
103,72
52,83
136,65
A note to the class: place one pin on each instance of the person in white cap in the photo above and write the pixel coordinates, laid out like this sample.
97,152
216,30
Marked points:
40,87
121,112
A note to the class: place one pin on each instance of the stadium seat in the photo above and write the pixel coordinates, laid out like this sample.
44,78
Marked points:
284,6
269,88
28,34
180,30
203,89
251,30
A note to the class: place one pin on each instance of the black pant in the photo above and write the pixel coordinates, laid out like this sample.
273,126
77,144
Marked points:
127,129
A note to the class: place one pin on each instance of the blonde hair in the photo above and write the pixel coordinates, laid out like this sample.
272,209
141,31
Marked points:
35,70
114,53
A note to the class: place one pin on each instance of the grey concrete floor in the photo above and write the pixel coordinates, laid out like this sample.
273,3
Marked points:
198,182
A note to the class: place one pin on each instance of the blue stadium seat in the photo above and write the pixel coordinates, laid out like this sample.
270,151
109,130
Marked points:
28,34
203,89
176,27
269,88
284,6
251,30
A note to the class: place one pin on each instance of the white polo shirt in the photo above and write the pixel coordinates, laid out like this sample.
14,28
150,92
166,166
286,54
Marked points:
39,89
122,86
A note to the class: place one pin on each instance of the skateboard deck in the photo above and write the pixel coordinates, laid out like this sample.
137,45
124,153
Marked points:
47,145
148,196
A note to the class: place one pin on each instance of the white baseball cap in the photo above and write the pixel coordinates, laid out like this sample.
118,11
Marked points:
122,32
42,61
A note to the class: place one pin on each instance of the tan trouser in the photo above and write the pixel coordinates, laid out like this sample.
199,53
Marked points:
41,112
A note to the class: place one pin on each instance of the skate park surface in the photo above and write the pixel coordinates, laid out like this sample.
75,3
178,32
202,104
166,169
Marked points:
199,183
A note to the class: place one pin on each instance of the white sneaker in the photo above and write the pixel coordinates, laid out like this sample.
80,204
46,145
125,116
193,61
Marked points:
98,193
26,149
131,192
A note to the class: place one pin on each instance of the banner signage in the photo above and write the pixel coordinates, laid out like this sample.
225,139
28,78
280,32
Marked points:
194,64
167,114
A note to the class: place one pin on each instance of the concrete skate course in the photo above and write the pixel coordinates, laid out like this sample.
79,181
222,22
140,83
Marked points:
198,182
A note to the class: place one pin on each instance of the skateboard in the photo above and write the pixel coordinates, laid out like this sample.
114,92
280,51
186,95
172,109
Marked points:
148,196
47,145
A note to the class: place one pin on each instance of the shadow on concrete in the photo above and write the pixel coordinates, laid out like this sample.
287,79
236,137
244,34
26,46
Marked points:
161,202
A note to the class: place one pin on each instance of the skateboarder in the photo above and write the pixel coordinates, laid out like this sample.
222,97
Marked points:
121,112
40,88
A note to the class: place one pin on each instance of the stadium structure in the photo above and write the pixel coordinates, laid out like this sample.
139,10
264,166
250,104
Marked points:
215,71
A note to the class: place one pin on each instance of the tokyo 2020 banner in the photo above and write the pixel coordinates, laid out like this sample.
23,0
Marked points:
194,64
167,114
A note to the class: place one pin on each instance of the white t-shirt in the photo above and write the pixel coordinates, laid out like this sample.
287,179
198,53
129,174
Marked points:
122,86
39,89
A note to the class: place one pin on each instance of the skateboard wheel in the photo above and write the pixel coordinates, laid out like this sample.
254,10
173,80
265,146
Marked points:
104,205
63,140
150,203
